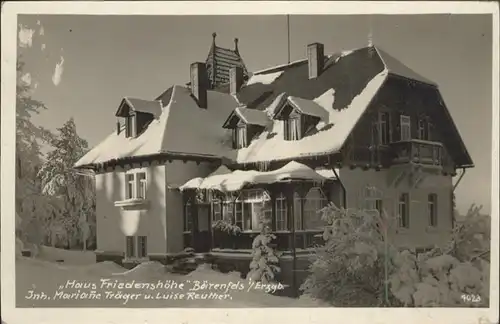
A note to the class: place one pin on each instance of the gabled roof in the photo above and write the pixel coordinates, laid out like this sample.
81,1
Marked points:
146,106
340,95
395,67
182,127
248,116
307,107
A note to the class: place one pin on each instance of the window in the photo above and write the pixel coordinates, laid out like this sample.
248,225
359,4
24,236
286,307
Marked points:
405,128
238,215
292,129
432,203
136,247
130,248
240,137
130,126
297,211
281,213
373,199
216,210
227,211
141,178
135,185
142,247
404,211
384,127
423,129
129,178
188,217
251,209
315,200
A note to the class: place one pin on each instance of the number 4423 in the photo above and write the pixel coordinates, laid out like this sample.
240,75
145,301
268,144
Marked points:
471,298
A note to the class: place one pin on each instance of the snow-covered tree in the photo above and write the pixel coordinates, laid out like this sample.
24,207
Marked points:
265,263
74,189
31,205
456,275
352,267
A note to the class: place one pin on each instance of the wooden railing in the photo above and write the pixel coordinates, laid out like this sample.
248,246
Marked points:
417,151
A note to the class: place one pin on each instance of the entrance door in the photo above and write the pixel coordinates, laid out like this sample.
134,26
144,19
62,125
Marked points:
202,233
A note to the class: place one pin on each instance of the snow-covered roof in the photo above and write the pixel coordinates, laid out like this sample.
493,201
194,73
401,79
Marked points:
226,181
267,78
308,107
252,116
148,106
329,138
182,127
339,96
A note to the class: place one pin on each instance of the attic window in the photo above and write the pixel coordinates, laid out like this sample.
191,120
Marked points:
293,131
130,126
240,138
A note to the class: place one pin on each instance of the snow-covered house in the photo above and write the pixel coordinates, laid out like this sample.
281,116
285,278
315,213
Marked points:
233,148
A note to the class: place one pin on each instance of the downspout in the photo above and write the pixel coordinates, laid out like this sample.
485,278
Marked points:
344,191
453,194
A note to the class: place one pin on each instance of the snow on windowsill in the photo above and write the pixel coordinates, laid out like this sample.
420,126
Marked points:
133,202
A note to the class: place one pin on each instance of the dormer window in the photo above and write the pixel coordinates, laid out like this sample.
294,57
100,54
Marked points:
300,117
240,138
293,130
137,114
245,124
130,126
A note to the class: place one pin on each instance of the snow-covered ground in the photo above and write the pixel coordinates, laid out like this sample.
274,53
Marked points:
79,281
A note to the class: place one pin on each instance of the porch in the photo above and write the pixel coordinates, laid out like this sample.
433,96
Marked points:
227,210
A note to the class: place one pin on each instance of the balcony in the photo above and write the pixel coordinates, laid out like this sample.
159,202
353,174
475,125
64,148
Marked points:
418,151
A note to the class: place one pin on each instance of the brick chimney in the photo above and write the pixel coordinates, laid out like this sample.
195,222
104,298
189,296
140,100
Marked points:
315,58
235,79
199,83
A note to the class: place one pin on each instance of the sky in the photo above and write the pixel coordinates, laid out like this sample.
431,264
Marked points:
81,66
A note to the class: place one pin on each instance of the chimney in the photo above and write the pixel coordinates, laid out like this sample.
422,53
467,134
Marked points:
235,79
199,83
315,58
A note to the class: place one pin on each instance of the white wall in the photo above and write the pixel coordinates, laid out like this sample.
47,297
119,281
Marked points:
419,233
114,223
178,173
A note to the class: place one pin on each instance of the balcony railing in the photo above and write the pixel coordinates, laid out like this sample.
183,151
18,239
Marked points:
418,151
